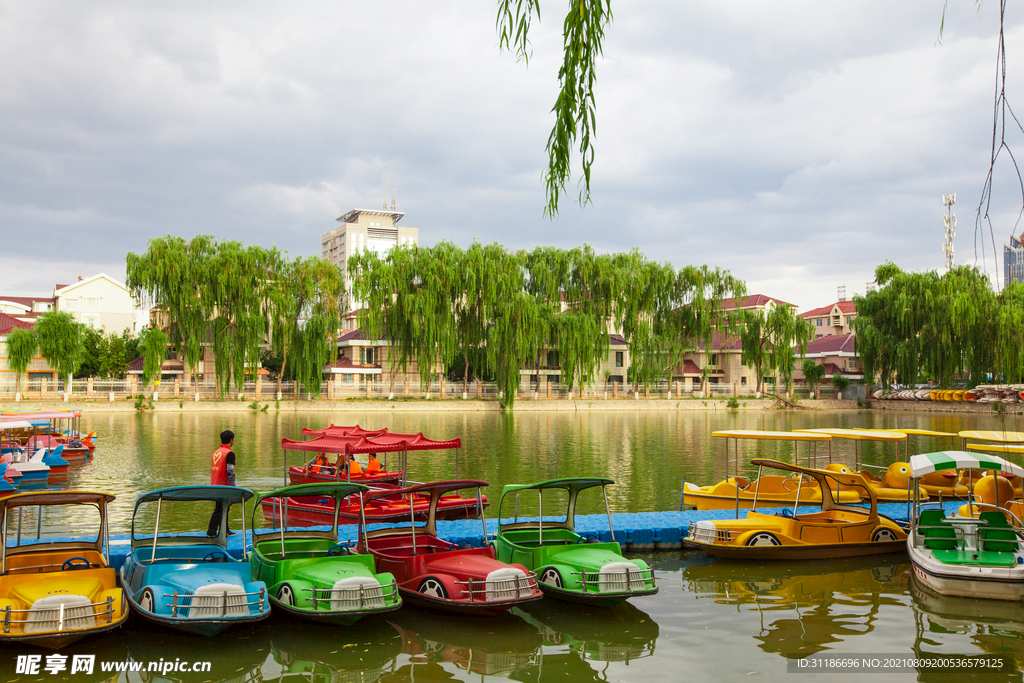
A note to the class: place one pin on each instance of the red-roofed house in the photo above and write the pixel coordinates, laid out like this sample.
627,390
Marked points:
38,368
833,319
753,302
362,360
614,369
837,353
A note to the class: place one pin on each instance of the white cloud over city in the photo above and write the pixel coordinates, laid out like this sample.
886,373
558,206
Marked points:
798,144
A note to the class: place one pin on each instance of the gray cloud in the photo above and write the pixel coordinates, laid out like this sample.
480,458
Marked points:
798,144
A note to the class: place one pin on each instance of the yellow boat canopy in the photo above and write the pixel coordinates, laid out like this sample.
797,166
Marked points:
771,436
995,448
995,437
923,432
861,434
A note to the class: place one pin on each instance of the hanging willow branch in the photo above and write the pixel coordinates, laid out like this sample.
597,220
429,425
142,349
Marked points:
575,108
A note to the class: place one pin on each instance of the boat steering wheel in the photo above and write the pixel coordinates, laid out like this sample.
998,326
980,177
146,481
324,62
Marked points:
786,512
70,566
338,549
216,553
587,537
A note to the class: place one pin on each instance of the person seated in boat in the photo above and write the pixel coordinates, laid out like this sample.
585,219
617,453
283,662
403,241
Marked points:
373,466
353,467
321,465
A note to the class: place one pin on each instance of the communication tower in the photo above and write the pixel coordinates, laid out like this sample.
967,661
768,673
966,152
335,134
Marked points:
949,221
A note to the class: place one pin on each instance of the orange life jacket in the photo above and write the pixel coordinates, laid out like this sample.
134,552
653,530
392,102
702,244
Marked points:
219,467
354,467
320,464
373,465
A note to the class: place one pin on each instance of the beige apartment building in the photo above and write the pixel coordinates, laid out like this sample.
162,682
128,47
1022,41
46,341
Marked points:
832,320
362,229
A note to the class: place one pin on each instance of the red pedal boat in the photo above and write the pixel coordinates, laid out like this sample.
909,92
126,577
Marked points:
389,505
438,575
342,442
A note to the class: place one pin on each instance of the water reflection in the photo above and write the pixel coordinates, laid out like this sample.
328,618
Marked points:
364,654
249,649
804,607
942,623
483,646
621,634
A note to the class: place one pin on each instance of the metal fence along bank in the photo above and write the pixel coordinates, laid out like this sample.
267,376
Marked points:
96,389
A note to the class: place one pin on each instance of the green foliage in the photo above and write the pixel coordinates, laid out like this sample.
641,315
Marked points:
768,338
106,355
153,344
813,374
503,310
840,382
234,298
142,402
575,108
926,326
61,341
21,347
255,405
733,402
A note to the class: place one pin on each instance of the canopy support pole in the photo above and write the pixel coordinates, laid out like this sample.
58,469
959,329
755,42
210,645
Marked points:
156,527
540,517
245,553
799,485
480,507
516,520
362,523
412,524
457,462
607,511
757,485
284,454
282,530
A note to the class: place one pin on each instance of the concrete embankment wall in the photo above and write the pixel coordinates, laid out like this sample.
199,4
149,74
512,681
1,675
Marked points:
432,405
523,405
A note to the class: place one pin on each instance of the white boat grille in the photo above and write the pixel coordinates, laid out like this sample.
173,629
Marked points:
506,583
618,576
346,593
44,615
218,600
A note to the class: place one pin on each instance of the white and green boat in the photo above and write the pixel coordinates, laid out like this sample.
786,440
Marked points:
978,556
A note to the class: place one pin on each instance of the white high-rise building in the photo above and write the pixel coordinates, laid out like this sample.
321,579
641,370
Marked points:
365,229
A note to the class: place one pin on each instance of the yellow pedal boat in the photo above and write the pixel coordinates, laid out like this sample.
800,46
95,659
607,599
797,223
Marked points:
891,488
55,591
836,531
768,491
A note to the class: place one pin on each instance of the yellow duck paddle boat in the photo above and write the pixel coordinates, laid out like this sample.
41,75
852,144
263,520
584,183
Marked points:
893,487
55,591
736,492
836,531
992,491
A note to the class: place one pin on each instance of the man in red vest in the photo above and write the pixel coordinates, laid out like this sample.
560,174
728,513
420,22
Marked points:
222,473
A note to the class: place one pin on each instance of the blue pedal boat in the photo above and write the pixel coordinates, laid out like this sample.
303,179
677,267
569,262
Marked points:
188,581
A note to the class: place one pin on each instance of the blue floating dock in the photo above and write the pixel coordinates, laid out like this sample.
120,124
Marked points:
635,531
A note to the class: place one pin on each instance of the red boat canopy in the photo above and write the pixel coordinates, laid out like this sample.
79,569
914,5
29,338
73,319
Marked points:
370,442
341,430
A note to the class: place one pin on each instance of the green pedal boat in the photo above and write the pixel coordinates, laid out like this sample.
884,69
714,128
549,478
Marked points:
570,566
308,573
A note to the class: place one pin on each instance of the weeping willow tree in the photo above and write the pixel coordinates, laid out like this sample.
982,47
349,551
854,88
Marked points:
21,346
1010,332
173,274
919,326
768,339
61,343
306,304
409,298
665,313
153,344
575,108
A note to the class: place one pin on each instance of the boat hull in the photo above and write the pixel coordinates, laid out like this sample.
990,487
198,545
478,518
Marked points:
801,552
464,607
337,618
966,581
590,597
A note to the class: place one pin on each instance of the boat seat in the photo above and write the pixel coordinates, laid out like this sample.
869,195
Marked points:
938,533
997,535
976,558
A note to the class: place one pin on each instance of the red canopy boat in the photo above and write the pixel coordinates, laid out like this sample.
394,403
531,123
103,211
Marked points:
345,441
390,504
439,575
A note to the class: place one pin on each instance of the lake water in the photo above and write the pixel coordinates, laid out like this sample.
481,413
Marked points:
711,620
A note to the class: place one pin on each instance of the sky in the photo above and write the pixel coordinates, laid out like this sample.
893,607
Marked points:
796,144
